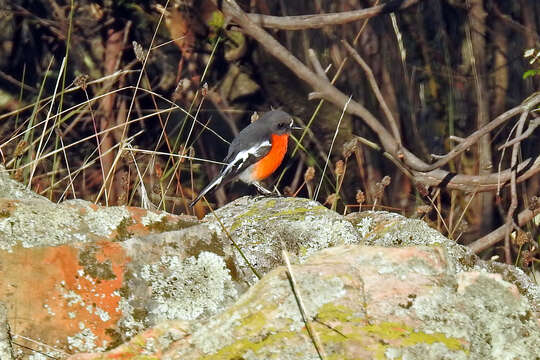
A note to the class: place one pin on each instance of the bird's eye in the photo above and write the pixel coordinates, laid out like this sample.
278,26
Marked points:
282,125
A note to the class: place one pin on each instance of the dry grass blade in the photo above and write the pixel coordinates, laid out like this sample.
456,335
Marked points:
231,239
296,291
38,152
331,147
38,343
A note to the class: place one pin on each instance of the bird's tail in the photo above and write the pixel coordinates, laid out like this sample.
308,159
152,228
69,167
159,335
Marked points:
208,188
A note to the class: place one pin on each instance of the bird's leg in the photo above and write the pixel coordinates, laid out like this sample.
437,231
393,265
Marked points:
261,188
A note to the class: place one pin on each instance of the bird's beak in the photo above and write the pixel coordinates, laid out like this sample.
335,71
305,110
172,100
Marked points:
292,127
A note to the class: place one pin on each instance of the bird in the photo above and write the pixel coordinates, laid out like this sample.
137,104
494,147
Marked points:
255,153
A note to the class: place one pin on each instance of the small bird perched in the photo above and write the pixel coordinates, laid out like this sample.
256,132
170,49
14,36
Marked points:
255,153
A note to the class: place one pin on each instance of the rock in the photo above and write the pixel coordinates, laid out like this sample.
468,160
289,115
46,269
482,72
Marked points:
28,220
383,228
65,267
260,225
11,189
363,303
84,278
6,350
91,277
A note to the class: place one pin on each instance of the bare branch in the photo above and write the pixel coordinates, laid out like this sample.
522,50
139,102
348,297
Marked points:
421,170
466,143
497,235
375,88
317,64
320,20
532,126
479,183
513,191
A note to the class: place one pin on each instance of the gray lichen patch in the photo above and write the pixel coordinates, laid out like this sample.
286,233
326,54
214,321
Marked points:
315,291
37,223
425,351
387,229
381,228
11,189
499,323
104,220
188,288
152,217
260,225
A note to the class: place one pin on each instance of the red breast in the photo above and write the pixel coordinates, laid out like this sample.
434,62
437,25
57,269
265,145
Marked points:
271,161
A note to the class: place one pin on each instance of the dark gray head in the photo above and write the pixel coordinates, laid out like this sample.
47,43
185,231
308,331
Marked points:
277,122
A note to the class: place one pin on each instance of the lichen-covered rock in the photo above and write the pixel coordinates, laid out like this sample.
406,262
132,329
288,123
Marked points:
261,226
29,220
80,277
6,348
11,189
381,228
363,303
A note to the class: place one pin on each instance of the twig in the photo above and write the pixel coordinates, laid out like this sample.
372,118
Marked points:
39,343
425,173
513,191
87,164
473,138
296,291
439,215
451,234
532,126
527,168
375,88
317,64
6,349
38,152
497,235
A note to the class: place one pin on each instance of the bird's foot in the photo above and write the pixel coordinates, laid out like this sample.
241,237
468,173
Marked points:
262,189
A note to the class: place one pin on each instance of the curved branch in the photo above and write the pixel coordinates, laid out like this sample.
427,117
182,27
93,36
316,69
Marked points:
324,89
316,21
478,183
497,235
375,88
473,138
322,86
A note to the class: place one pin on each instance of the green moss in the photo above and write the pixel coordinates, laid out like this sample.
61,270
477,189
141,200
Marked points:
409,337
122,232
385,334
240,347
420,337
94,268
297,213
165,225
254,323
331,312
